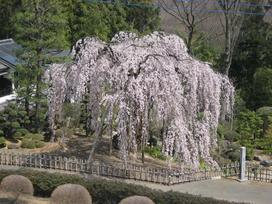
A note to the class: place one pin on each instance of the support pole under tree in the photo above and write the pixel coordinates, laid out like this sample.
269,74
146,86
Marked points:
242,164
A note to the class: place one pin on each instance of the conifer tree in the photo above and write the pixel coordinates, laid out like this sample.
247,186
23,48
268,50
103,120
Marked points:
39,27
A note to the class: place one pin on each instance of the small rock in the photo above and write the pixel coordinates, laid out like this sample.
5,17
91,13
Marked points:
257,158
266,163
13,146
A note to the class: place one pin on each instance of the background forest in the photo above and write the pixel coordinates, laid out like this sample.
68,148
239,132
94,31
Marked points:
242,49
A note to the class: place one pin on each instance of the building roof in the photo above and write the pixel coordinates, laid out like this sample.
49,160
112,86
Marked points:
8,52
8,59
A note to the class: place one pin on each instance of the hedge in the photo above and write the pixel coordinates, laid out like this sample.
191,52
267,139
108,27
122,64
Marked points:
106,191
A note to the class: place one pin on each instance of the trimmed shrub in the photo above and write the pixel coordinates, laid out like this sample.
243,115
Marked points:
155,152
17,135
34,136
232,136
23,131
17,184
70,194
137,200
15,125
39,144
234,156
27,143
106,191
31,141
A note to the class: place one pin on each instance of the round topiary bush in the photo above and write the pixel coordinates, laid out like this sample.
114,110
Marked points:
17,184
70,194
28,143
137,200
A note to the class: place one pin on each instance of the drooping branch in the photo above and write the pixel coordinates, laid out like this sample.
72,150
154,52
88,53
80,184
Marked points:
187,96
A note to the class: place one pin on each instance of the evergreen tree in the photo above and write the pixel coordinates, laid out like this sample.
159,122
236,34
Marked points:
7,11
86,20
40,26
262,88
117,19
143,15
252,52
104,20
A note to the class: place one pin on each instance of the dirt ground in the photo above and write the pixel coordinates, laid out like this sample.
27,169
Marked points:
80,147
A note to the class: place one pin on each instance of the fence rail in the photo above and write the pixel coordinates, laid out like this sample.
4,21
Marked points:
129,171
231,169
258,173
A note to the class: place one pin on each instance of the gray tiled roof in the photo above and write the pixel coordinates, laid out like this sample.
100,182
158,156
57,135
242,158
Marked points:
8,59
8,51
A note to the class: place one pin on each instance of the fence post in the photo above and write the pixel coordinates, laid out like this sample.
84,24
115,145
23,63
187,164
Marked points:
242,164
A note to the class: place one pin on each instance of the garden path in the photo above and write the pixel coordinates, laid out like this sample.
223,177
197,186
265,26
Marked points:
223,189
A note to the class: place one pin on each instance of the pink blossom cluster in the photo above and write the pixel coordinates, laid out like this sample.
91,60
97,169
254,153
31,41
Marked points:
144,79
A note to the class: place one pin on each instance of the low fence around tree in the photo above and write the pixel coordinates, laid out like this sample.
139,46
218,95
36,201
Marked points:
231,169
259,173
132,171
116,170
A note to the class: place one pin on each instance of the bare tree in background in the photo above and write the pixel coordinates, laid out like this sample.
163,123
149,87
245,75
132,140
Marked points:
231,23
190,13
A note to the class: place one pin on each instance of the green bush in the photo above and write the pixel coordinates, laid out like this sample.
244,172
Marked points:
31,141
23,131
31,144
266,114
17,135
155,152
15,125
31,136
262,87
232,136
202,50
106,191
39,144
13,118
226,152
265,111
249,154
28,144
20,133
220,131
2,142
234,155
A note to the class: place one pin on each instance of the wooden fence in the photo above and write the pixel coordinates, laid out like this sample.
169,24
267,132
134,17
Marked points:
231,169
253,172
258,173
117,170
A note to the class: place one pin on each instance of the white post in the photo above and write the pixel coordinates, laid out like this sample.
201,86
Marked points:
242,164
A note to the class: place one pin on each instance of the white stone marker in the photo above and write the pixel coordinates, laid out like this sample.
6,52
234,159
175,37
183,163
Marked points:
242,164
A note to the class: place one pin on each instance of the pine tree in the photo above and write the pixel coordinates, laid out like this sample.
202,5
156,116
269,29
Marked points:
85,20
7,11
40,27
252,52
144,15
